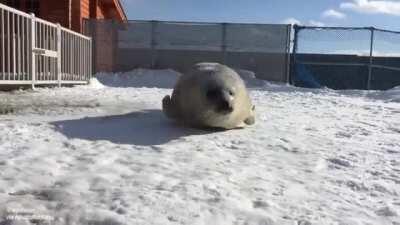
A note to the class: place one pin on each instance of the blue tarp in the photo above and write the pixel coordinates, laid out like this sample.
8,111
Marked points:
305,78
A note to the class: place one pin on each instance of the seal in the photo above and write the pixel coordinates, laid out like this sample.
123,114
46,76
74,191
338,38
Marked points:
211,95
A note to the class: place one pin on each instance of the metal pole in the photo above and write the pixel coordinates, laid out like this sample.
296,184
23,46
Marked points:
3,64
14,60
288,41
33,45
18,46
223,44
23,47
295,46
8,46
59,54
91,60
153,44
371,51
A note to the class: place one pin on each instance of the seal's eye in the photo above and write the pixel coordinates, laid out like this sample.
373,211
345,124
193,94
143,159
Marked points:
231,93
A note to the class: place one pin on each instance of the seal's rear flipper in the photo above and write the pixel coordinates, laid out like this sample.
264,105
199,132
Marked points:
168,107
250,120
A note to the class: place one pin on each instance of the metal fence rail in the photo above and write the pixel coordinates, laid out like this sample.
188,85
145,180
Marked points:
346,57
35,52
261,48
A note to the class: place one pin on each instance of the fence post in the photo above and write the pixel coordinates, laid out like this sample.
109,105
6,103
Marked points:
91,61
371,51
223,44
13,37
295,46
288,41
59,54
153,44
33,56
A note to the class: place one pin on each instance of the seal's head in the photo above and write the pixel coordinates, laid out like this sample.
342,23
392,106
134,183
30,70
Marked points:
223,95
210,95
221,99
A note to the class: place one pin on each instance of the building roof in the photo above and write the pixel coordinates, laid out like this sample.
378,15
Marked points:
121,9
120,12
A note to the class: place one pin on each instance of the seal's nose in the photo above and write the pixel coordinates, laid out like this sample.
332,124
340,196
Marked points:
222,99
225,106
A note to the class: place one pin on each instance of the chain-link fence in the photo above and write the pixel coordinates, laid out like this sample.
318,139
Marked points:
261,48
345,58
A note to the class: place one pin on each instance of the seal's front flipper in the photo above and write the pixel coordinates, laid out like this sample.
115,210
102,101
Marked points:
250,120
168,107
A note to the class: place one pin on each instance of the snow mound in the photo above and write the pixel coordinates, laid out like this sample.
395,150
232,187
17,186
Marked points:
249,77
95,84
392,95
140,78
159,79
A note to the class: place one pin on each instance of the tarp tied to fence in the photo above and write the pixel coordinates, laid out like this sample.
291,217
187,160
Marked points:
263,49
346,58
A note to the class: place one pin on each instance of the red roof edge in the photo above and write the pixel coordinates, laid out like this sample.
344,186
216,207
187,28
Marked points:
121,10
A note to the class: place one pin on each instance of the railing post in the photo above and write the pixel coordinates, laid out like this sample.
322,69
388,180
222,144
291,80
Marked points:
33,45
59,54
371,51
90,59
13,37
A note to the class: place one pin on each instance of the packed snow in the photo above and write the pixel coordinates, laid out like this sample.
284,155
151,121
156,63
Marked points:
104,154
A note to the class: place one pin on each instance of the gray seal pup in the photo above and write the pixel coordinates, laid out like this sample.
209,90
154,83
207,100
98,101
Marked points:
211,95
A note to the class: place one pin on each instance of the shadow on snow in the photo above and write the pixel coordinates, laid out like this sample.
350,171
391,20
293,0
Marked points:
145,128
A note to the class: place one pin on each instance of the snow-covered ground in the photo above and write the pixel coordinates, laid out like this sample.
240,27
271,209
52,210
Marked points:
106,155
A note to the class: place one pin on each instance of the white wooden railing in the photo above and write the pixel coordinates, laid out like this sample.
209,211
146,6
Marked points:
36,52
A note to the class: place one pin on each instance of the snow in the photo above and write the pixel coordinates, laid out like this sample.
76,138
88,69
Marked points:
140,78
105,154
392,95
